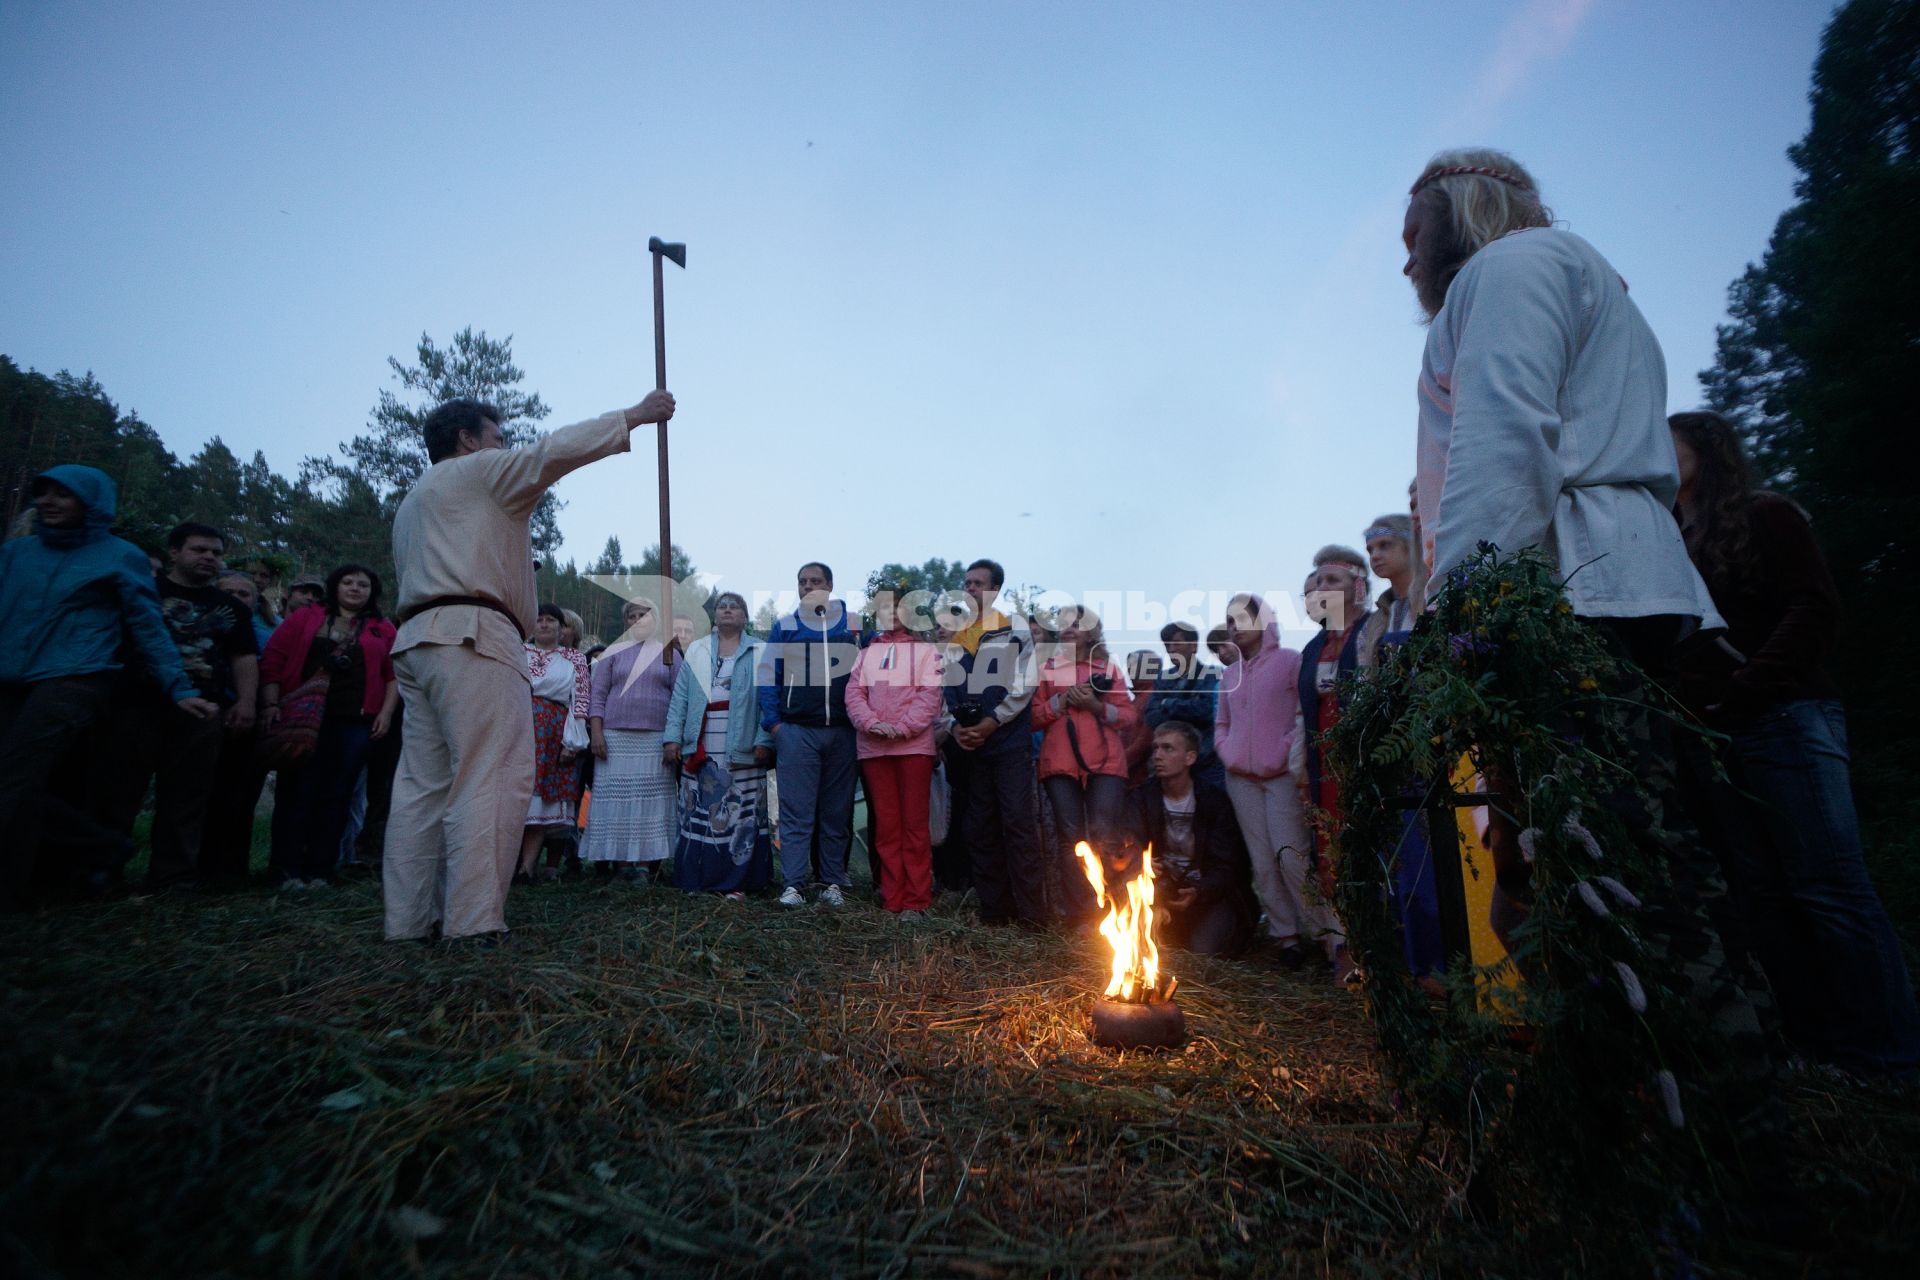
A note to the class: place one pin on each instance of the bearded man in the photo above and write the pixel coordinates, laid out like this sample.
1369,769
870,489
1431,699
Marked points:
1543,424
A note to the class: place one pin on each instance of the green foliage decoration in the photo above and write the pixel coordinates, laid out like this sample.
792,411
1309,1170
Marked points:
1592,1081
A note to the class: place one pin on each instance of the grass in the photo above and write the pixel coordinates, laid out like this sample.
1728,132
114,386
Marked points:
647,1083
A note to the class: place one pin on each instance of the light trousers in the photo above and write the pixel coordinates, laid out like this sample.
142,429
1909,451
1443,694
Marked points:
1274,823
460,796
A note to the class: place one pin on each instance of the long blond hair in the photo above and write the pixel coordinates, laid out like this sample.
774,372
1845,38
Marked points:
1487,193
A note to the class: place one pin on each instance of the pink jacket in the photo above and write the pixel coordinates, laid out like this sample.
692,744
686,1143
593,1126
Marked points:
896,681
1259,704
1100,737
285,656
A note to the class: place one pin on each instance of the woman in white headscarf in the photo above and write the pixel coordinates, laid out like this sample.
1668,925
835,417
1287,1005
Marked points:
631,824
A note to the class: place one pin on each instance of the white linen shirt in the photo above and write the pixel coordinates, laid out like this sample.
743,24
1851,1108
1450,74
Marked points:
462,530
1543,424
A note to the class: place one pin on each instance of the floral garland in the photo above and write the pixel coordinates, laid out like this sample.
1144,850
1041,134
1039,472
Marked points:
1571,1083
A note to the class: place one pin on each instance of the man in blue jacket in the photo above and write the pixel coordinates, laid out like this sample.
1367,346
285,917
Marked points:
68,593
804,669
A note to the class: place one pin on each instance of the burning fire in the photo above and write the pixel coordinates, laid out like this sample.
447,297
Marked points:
1128,929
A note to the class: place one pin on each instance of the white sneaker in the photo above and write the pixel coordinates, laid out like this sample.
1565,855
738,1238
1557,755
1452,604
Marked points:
832,896
292,884
792,897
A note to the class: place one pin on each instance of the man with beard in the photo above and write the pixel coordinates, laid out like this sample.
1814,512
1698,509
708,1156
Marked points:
1542,424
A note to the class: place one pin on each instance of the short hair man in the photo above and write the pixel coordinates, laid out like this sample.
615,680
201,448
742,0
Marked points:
226,839
464,552
804,668
1256,727
69,592
988,724
1199,860
1188,690
180,754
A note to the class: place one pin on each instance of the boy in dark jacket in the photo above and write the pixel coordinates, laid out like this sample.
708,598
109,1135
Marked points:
1201,873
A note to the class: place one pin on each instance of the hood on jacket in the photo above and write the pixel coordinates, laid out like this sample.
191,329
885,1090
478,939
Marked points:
93,487
1270,633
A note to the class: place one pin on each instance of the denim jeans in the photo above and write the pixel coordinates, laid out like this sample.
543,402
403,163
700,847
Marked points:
1824,938
1095,812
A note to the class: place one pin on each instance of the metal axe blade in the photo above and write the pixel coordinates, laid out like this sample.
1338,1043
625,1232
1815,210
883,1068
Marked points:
676,253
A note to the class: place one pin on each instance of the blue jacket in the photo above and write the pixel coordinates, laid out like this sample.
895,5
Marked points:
804,669
692,690
67,595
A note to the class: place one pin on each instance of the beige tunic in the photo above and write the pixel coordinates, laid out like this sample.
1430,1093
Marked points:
466,759
463,531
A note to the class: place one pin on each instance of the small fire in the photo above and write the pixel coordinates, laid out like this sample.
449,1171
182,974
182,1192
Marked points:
1128,928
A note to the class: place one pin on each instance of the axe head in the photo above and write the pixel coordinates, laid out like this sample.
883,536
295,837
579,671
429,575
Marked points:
674,253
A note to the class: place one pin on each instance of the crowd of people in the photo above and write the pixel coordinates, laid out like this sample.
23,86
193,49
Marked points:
481,730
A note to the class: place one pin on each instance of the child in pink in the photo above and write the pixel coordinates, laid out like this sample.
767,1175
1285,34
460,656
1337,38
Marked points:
893,699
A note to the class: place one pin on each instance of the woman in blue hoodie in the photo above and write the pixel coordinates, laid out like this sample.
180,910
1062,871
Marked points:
67,595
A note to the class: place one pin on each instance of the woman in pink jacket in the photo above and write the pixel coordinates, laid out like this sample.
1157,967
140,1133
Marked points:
893,698
1082,705
1253,732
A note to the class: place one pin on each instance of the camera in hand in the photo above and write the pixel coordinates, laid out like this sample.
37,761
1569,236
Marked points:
969,713
1102,682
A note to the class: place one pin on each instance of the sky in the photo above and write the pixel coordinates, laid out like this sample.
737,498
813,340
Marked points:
1108,292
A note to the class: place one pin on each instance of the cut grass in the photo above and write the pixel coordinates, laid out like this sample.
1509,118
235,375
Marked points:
648,1083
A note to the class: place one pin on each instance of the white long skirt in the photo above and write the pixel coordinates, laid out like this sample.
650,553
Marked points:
633,814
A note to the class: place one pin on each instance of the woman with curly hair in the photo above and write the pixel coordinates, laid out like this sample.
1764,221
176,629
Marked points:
346,640
1787,823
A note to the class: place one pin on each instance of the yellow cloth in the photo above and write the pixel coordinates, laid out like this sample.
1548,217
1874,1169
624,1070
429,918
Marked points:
969,637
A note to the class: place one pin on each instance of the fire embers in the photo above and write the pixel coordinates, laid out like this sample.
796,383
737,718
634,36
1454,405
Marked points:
1136,1011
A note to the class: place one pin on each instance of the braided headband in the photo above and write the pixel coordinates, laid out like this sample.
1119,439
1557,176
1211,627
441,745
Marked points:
1480,170
1385,531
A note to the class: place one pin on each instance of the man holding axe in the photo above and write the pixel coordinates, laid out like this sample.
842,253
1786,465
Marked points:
465,556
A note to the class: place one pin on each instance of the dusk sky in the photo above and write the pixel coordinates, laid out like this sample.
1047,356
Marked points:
1110,292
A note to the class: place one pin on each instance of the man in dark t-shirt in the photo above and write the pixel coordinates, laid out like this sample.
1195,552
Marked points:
159,744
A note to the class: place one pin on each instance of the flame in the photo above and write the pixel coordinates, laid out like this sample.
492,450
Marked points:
1128,927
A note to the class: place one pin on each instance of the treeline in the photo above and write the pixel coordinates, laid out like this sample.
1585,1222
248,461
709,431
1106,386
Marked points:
335,510
298,527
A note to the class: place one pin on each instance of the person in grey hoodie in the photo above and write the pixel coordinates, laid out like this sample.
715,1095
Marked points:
68,593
